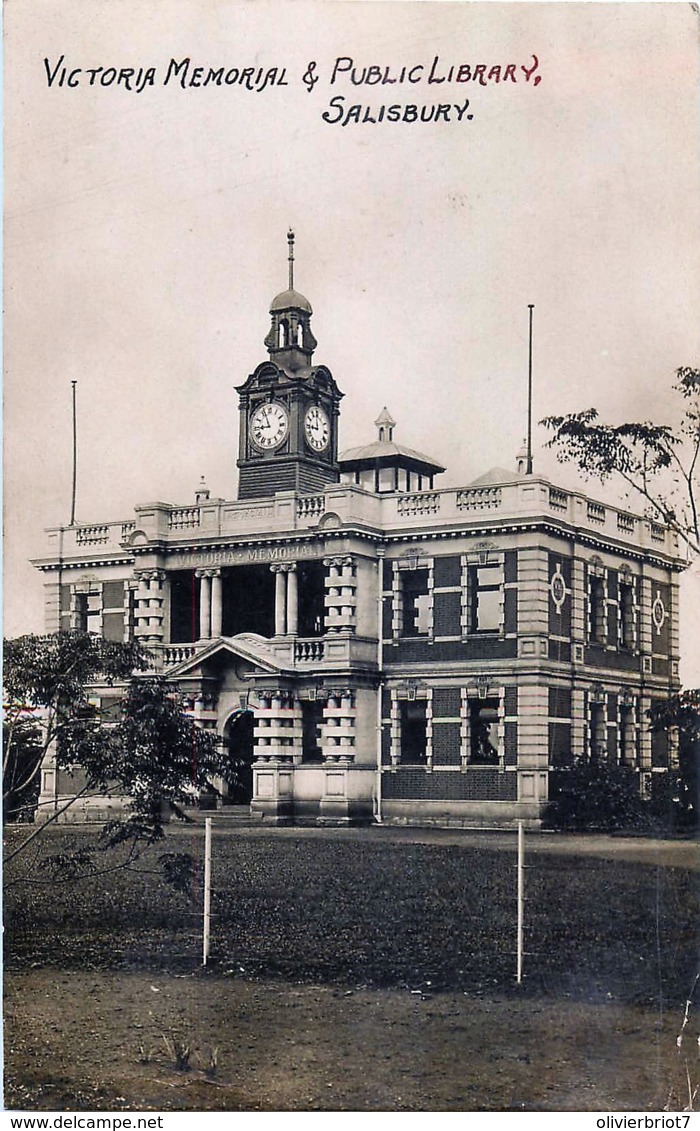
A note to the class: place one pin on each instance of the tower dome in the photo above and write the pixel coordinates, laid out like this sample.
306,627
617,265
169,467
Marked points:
290,342
290,300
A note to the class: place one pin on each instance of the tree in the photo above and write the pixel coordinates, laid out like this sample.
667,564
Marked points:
659,463
681,713
22,757
656,461
47,682
151,753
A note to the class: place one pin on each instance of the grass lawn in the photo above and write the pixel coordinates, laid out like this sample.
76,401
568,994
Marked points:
412,928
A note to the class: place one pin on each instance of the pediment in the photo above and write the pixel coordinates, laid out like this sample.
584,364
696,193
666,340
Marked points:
246,647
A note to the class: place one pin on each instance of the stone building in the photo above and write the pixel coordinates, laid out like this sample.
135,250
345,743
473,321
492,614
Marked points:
369,644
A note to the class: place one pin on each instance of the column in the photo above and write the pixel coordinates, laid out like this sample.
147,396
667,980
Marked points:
204,603
280,600
216,603
278,728
292,600
332,596
278,748
143,598
340,599
338,727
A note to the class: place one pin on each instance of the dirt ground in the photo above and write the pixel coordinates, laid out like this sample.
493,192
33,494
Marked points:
105,1040
96,1041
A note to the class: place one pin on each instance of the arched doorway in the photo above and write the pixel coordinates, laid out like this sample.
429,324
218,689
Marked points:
238,737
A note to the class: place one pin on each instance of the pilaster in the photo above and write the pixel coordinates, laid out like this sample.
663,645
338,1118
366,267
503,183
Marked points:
52,606
578,602
645,624
533,726
533,591
578,723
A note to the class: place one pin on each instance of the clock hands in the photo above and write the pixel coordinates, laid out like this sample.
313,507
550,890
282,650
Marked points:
269,425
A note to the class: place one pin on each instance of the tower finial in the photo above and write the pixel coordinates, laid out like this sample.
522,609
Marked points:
290,241
386,424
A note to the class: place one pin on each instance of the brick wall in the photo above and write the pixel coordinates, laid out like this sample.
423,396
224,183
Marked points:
474,785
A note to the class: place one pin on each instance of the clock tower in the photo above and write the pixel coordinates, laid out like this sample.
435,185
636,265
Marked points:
288,407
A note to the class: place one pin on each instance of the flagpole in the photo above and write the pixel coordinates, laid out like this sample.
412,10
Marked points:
75,457
528,466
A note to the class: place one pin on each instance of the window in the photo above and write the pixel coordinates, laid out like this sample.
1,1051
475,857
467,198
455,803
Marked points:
88,607
414,731
627,736
417,604
596,609
486,597
113,619
483,732
626,617
597,732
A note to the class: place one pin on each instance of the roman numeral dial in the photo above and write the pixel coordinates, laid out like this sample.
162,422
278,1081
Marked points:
269,426
317,429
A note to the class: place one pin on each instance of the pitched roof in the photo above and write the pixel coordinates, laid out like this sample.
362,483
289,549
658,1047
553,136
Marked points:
388,451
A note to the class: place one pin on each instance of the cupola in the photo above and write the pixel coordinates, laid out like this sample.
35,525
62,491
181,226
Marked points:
386,465
290,342
202,492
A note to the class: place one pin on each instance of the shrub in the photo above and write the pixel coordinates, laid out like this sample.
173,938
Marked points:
596,795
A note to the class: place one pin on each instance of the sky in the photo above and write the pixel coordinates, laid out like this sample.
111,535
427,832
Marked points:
145,233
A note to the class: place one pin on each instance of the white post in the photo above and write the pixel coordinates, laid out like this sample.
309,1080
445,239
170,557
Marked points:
207,887
521,898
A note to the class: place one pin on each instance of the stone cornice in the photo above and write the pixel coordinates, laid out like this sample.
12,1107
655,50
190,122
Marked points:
320,538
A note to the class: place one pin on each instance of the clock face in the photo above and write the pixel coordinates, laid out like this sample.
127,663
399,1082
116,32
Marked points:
317,429
269,426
